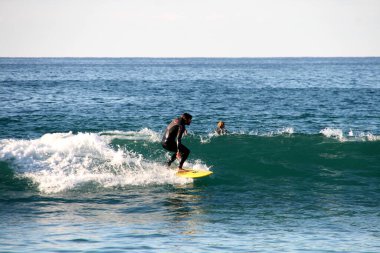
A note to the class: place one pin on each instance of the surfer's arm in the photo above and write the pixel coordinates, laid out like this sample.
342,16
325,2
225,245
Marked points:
179,136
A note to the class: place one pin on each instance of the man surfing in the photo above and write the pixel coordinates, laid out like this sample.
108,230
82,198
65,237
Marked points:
171,140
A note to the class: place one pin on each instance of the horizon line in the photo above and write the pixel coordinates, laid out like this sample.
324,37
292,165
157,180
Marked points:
185,57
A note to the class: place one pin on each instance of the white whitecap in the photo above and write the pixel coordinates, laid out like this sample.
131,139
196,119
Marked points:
332,133
63,161
144,134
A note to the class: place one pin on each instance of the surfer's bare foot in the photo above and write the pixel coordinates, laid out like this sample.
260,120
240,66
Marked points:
181,170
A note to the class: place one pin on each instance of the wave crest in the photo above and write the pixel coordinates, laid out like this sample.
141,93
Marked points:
63,161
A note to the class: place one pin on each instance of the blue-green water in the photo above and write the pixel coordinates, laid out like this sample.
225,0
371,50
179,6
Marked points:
82,169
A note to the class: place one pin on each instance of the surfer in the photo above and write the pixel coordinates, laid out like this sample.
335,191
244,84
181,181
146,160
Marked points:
220,130
171,140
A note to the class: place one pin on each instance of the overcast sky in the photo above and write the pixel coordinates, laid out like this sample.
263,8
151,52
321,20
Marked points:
189,28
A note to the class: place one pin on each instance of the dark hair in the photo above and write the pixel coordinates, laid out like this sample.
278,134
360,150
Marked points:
187,116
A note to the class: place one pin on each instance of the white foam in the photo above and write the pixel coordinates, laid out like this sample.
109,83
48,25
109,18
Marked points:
207,138
332,133
144,134
197,165
351,135
369,136
281,131
285,131
62,161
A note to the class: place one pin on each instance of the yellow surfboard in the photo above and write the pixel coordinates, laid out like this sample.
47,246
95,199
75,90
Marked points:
192,173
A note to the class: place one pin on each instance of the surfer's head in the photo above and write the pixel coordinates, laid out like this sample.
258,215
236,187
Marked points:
221,124
187,117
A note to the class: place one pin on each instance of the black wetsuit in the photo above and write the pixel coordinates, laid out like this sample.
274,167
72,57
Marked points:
171,140
221,131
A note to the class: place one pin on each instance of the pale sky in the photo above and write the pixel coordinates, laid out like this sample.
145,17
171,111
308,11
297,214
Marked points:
189,28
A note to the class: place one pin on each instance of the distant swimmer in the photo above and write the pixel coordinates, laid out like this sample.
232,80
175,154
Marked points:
221,129
171,140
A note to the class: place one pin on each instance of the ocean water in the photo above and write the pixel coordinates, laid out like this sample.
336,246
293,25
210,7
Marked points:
82,169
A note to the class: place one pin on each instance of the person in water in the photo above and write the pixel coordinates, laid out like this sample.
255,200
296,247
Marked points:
172,139
220,129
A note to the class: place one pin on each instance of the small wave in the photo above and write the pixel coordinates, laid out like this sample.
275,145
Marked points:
332,133
143,134
207,138
282,131
64,161
369,136
350,136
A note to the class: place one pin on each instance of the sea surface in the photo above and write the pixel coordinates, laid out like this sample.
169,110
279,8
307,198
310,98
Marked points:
82,168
